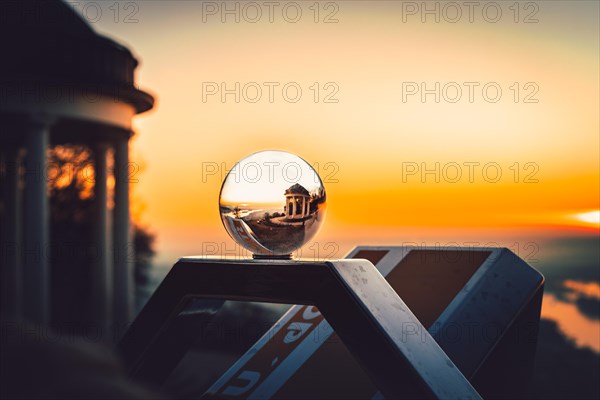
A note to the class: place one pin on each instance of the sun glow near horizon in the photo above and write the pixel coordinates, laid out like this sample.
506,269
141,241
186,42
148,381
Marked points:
590,217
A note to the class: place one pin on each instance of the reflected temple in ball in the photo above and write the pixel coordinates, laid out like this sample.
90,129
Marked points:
272,203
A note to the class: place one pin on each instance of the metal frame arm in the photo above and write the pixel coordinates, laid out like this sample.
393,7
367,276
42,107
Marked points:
356,300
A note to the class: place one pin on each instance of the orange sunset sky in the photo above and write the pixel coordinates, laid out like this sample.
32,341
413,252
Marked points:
540,133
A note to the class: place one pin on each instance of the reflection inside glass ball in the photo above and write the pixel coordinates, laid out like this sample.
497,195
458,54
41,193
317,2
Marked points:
272,203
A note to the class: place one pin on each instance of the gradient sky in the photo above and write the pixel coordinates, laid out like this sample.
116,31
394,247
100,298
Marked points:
371,145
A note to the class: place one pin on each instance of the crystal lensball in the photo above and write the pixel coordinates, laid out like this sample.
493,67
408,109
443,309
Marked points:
272,203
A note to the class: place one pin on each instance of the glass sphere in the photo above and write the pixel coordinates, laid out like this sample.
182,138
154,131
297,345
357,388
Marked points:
272,203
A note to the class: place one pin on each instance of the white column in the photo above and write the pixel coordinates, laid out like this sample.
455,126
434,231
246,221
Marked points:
36,274
101,296
294,207
124,285
10,234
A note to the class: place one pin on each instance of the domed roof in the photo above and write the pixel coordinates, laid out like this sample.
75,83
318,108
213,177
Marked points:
46,43
35,16
297,189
